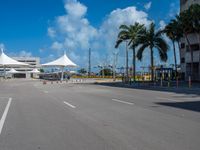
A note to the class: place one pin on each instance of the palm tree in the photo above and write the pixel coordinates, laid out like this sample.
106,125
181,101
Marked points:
135,31
152,39
123,36
194,10
189,21
171,31
177,32
131,34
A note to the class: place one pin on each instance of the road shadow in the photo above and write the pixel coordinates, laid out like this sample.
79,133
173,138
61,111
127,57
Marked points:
189,92
192,106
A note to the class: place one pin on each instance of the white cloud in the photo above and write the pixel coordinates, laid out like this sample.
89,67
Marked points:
75,9
174,9
147,6
162,24
24,53
51,32
57,46
110,27
76,34
49,58
73,27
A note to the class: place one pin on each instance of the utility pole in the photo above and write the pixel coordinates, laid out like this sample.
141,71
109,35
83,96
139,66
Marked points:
89,62
115,55
126,60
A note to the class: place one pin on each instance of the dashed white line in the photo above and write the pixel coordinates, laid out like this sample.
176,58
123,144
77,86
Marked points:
3,118
173,100
124,102
70,105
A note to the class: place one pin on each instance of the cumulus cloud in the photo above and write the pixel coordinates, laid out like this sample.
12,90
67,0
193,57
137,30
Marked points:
57,46
74,28
110,27
174,9
24,53
75,33
51,32
147,6
162,24
49,58
75,9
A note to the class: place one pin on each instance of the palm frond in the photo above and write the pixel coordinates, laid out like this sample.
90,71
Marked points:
118,42
162,47
162,54
123,34
141,50
124,27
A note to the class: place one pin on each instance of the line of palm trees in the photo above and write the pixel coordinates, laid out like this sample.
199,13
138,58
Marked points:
143,38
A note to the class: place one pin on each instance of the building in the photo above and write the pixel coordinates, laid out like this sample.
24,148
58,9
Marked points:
185,55
34,62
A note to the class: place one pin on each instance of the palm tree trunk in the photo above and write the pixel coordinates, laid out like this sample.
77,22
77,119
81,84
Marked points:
152,64
175,61
179,46
191,53
133,69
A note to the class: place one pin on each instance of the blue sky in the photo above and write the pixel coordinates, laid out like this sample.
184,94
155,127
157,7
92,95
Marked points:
46,28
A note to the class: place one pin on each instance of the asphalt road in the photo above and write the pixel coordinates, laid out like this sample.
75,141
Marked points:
93,117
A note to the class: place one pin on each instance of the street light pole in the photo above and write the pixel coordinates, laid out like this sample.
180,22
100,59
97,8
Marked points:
114,65
127,59
89,63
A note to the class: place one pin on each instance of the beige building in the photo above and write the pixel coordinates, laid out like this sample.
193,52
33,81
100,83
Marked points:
24,72
185,53
34,62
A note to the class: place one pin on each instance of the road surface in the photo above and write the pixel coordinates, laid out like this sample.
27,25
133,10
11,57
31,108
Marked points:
94,117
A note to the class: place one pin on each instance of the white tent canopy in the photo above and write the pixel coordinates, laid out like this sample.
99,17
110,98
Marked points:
7,61
34,71
62,62
12,71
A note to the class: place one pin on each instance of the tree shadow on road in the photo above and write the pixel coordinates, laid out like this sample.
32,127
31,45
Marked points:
193,92
192,106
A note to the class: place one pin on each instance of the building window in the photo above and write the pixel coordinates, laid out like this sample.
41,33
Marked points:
182,60
194,47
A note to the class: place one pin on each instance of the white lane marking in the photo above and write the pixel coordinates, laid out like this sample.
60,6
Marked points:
46,92
3,118
70,105
124,102
173,100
